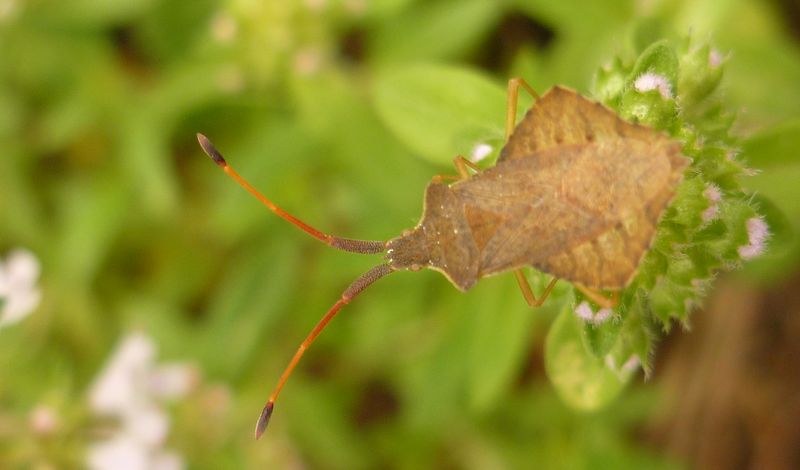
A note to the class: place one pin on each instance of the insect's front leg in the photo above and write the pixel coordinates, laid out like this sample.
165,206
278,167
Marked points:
462,167
525,287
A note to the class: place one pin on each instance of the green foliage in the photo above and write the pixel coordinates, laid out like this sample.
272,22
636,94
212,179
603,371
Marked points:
341,111
436,109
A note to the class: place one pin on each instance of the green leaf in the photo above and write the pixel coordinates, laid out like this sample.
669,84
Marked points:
501,330
600,338
440,111
582,380
775,146
659,58
634,346
434,30
700,72
246,307
652,103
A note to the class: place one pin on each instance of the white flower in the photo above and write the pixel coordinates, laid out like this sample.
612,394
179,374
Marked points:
757,234
713,195
172,380
480,151
651,81
130,388
123,381
585,313
18,292
121,452
630,365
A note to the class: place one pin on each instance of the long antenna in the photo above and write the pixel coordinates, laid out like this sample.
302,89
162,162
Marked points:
344,244
364,281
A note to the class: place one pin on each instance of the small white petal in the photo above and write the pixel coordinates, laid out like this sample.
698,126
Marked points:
167,460
584,311
23,267
148,425
121,385
651,81
119,453
631,364
757,234
712,192
20,296
602,315
18,306
171,381
480,151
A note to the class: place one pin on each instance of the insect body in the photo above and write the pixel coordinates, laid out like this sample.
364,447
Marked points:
577,192
575,212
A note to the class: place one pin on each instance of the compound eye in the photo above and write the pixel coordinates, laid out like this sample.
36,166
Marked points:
415,267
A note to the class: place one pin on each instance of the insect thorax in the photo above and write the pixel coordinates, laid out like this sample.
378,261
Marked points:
442,240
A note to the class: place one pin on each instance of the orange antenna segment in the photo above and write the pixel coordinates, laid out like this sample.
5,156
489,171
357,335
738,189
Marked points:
364,281
345,244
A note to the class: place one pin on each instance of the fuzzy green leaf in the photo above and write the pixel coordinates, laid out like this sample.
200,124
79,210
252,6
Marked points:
440,111
581,379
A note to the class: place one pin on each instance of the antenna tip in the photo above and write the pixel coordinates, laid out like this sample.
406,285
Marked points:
263,420
210,150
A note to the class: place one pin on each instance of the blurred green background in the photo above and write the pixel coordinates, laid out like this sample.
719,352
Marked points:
140,236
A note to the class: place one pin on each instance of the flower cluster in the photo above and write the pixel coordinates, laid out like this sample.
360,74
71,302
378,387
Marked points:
131,389
711,224
19,294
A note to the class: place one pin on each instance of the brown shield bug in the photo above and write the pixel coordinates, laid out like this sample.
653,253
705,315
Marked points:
577,192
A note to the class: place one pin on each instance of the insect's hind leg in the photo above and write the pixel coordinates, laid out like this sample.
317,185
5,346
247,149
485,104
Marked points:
511,102
525,287
599,298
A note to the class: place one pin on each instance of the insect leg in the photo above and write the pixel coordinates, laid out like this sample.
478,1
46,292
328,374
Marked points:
461,165
511,103
525,287
599,298
349,294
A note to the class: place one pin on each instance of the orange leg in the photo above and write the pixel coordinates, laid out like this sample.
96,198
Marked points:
599,298
511,117
511,103
525,287
462,167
